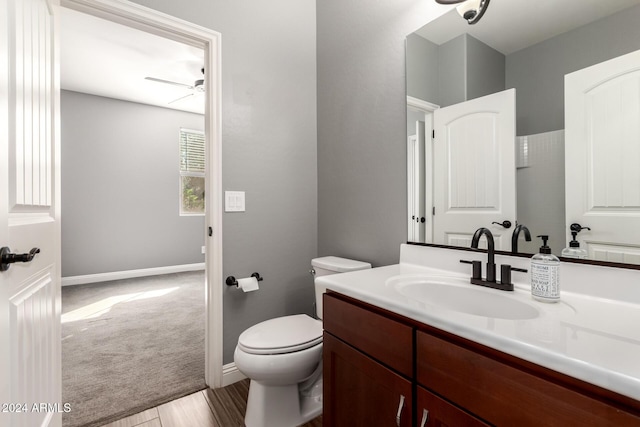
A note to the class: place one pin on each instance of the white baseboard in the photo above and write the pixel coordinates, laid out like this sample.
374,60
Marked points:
231,374
128,274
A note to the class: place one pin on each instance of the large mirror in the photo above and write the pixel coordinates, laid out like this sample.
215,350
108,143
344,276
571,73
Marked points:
517,58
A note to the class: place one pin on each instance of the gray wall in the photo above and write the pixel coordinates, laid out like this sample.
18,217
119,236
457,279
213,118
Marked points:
120,201
485,69
269,140
452,63
538,72
362,194
422,69
460,69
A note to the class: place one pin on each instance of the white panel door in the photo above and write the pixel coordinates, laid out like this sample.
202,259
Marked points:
30,214
602,157
474,169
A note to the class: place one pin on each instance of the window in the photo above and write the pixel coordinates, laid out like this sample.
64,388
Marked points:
191,172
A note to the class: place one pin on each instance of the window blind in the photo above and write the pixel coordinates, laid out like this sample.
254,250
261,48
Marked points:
191,151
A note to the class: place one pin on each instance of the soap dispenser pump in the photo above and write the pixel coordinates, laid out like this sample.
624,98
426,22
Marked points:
574,250
545,274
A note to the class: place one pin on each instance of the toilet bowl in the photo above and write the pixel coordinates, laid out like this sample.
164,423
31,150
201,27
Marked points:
283,359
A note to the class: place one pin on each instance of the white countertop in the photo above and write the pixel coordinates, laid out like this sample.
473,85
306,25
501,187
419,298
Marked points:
587,337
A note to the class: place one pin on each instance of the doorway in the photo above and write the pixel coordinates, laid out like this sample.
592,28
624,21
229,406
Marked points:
147,20
420,169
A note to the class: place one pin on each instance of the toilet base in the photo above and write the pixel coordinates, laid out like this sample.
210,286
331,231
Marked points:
280,406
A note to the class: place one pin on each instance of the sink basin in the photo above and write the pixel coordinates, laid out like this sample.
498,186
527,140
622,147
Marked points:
459,295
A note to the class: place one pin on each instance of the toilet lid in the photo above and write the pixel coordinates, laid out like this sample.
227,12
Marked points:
281,335
338,264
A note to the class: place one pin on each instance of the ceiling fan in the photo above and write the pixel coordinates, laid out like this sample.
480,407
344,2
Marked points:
470,10
196,87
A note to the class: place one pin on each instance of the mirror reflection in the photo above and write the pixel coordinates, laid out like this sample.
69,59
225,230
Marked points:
474,90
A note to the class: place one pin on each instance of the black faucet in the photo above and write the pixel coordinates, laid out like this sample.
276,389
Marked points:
491,264
505,269
516,235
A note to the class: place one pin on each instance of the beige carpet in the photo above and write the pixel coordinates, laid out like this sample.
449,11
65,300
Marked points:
130,345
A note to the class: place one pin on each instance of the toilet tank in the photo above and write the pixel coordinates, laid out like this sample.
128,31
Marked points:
332,265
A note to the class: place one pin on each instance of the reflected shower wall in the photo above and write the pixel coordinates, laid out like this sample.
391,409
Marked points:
540,188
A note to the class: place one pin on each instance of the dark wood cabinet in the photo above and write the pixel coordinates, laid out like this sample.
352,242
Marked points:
372,357
508,395
360,391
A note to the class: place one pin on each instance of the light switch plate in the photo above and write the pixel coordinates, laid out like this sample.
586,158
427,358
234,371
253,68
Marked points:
234,201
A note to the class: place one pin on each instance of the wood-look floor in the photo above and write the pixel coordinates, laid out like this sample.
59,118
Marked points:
223,407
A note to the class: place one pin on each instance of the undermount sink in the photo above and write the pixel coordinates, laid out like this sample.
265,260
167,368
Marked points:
457,294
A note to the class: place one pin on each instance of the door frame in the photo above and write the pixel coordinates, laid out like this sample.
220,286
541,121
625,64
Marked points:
152,21
427,108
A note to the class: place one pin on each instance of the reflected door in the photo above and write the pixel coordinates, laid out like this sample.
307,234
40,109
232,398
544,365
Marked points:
474,169
602,157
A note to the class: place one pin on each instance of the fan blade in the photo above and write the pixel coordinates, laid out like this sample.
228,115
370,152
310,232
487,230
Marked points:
449,1
182,97
168,82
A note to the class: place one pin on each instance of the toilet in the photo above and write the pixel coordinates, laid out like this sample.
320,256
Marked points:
283,359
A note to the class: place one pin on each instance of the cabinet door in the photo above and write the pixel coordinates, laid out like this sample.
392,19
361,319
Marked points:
436,412
361,392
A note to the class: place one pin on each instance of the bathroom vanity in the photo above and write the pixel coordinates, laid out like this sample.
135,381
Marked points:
394,357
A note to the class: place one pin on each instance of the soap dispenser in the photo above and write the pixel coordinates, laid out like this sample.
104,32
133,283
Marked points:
574,250
545,274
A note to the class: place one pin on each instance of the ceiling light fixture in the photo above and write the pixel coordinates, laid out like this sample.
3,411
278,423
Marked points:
470,10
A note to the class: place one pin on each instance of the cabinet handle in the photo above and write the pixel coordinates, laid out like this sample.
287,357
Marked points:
400,407
425,417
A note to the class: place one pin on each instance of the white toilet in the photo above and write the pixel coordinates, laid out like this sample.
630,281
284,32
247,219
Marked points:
283,359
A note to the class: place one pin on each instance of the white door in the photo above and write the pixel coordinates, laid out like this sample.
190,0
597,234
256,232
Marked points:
30,214
416,184
602,157
474,169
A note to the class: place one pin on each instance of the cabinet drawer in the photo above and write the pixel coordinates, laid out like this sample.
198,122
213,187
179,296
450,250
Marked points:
505,395
386,340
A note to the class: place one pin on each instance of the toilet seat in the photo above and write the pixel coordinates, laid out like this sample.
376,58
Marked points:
281,335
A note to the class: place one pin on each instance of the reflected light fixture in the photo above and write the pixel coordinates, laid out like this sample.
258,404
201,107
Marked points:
470,10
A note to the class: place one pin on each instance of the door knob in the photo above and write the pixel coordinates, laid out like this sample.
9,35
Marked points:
7,258
577,227
506,223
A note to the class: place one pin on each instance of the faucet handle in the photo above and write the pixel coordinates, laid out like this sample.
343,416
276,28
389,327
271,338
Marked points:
476,269
505,273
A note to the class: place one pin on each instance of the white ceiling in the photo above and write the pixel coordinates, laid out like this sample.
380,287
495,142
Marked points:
103,58
511,25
